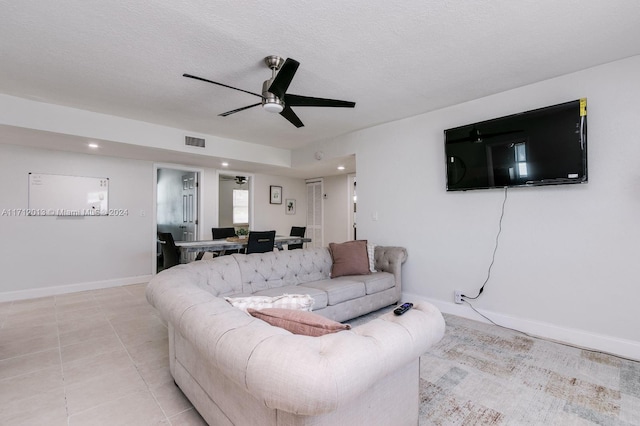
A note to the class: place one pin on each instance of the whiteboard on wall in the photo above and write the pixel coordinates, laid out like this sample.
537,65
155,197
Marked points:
62,195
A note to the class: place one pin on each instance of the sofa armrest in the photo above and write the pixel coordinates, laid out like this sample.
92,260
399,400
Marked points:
168,293
390,259
316,375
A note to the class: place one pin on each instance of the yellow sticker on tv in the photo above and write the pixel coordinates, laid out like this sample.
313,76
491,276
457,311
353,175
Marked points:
583,107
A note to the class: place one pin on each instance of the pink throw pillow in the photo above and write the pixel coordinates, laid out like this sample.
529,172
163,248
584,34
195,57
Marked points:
349,258
299,322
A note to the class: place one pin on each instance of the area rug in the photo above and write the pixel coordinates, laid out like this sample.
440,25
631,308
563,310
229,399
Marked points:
482,374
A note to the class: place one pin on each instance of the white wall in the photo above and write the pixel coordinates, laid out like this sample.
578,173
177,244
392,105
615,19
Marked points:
567,262
47,252
267,216
209,202
225,203
272,216
52,255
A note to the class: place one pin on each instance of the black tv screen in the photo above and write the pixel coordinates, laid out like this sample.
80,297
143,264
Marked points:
546,146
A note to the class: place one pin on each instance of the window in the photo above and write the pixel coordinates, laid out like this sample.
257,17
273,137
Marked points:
521,159
240,206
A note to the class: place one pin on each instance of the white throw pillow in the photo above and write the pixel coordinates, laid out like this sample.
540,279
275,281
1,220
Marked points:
371,249
300,302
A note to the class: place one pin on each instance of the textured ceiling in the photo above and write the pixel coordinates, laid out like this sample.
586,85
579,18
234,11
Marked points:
394,59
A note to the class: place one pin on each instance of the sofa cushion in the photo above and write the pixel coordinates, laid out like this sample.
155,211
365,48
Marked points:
349,258
319,296
340,290
299,322
302,302
373,283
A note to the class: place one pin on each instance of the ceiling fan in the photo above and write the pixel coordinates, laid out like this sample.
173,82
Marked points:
274,92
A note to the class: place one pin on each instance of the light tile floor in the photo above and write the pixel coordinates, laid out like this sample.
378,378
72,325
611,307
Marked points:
91,358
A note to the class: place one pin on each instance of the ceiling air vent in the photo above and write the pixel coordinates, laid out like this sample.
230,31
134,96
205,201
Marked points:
190,140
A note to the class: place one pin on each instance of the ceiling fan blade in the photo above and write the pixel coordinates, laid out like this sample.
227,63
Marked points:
220,84
297,100
224,114
283,78
288,113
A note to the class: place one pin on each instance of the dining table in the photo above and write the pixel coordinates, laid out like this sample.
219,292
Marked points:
217,246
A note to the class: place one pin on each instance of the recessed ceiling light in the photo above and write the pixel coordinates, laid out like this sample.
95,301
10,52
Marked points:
340,167
93,145
225,164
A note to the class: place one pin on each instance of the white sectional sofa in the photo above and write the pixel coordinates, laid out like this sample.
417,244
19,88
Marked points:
239,370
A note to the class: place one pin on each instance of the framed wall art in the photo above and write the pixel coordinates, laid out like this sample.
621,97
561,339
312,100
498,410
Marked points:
275,194
290,206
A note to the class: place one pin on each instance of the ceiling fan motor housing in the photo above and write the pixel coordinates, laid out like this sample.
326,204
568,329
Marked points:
270,102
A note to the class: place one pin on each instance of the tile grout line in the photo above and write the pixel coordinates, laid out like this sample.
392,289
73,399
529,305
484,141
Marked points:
145,381
134,363
106,304
91,298
5,316
64,385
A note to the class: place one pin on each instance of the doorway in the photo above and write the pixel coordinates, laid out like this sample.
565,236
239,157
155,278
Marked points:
177,205
235,201
353,202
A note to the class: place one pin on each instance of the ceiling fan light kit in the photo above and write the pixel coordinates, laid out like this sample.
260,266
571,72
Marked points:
274,97
273,106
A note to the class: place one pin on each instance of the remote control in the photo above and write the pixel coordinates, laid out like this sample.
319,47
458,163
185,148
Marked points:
403,308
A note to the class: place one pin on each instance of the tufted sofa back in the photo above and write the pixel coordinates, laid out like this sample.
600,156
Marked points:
219,276
281,268
247,274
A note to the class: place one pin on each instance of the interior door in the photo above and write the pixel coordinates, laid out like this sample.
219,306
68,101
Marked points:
353,202
189,206
177,204
314,213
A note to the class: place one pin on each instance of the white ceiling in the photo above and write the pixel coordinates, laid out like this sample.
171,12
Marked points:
394,59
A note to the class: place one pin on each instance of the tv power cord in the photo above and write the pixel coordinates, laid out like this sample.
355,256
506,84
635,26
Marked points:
493,257
466,299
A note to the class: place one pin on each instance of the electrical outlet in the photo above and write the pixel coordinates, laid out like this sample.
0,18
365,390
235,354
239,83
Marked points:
457,296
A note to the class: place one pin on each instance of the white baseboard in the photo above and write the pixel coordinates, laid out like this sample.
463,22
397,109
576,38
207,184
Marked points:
574,337
34,293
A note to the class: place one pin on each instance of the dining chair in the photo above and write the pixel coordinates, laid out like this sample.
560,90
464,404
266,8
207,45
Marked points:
170,253
296,231
222,233
261,242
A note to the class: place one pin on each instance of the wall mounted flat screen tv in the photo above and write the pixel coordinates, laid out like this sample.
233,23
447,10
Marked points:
546,146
